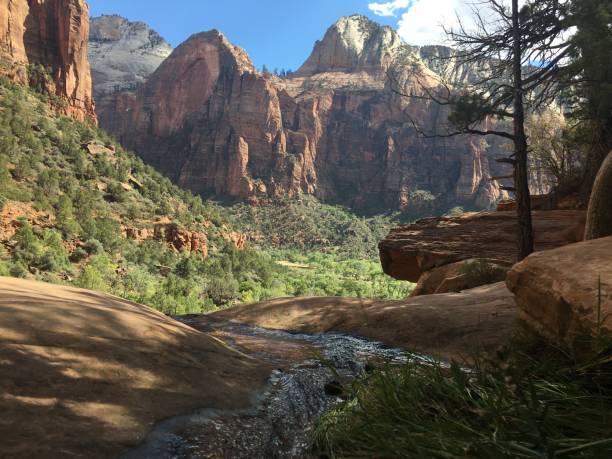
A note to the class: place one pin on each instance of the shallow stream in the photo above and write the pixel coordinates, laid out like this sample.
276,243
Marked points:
278,425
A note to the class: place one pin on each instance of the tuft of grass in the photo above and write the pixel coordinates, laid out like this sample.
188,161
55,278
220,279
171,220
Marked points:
531,401
482,271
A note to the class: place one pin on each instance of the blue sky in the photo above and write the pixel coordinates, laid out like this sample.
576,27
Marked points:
278,33
281,33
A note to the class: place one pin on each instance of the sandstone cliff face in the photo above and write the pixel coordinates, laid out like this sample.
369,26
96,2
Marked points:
122,54
54,34
335,129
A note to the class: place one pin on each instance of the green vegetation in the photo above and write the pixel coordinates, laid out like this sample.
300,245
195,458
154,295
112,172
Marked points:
531,401
79,192
306,224
482,272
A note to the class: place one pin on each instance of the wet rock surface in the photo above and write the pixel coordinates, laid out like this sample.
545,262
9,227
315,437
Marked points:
279,423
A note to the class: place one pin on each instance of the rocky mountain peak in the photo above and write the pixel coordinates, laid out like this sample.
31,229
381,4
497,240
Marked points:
203,41
123,53
356,43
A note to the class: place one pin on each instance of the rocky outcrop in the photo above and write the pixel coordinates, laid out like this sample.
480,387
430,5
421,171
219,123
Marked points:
13,213
461,275
409,251
449,326
122,55
179,239
334,129
52,34
558,291
182,240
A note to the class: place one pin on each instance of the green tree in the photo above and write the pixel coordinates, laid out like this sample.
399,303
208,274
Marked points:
28,247
65,216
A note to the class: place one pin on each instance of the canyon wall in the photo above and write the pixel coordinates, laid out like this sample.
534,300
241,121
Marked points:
336,128
53,34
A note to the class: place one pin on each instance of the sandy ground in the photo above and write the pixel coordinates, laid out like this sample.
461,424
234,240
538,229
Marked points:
453,325
84,374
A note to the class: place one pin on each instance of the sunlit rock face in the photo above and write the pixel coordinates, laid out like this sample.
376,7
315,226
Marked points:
337,128
52,34
123,54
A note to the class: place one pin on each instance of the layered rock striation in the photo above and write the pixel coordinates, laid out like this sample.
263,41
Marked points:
410,251
335,129
52,34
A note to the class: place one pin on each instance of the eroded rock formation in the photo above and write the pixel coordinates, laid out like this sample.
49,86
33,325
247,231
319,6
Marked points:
334,129
52,34
412,250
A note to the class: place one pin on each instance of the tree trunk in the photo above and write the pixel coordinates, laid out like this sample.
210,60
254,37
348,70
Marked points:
599,216
521,174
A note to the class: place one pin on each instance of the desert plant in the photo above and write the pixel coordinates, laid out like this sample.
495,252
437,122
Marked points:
482,271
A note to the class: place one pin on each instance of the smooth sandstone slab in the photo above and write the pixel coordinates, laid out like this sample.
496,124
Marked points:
84,374
453,325
557,290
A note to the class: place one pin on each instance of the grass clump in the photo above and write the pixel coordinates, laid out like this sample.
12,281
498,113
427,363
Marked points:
531,401
482,272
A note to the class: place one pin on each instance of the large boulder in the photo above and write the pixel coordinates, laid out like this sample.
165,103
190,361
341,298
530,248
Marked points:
462,275
411,250
558,291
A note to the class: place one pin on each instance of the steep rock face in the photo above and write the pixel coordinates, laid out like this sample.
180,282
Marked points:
335,129
441,60
122,55
54,34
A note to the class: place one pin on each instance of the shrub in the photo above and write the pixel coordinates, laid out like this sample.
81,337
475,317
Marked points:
482,272
94,247
78,255
19,270
28,248
5,269
91,279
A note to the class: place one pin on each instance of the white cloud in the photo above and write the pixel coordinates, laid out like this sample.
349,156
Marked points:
422,22
388,8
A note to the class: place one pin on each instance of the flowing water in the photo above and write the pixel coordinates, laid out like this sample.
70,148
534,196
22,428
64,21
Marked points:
280,421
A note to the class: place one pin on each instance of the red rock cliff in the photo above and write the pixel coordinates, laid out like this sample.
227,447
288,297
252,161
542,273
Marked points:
53,33
335,129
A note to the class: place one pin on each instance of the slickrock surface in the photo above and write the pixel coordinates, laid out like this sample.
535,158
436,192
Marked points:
411,250
83,374
452,325
557,291
334,129
53,33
